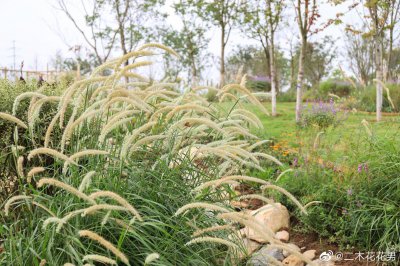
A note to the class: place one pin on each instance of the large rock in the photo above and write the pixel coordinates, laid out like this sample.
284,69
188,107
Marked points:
246,246
310,254
273,216
293,260
282,235
263,256
292,246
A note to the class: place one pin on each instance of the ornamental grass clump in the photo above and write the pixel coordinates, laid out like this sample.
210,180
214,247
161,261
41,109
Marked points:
122,156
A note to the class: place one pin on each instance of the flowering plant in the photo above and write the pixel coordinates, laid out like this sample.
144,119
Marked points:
322,114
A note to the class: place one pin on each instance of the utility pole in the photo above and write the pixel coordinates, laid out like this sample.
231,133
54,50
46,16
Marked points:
14,54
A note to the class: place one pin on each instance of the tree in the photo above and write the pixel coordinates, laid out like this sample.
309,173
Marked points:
224,14
378,15
189,41
263,18
360,54
394,11
306,16
129,24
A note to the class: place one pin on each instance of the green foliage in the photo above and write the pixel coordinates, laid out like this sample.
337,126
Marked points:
338,87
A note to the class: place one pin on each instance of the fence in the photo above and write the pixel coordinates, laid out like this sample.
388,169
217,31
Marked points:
13,74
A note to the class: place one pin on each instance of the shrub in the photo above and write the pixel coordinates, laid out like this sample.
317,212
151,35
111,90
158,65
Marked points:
340,88
321,115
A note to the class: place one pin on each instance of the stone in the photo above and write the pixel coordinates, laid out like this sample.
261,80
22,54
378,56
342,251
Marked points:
282,235
293,246
310,254
273,216
263,256
293,260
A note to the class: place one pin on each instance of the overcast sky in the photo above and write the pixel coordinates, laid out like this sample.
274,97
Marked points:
39,31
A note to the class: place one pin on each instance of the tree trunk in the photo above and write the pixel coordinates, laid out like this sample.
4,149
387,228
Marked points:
222,69
273,78
379,76
300,78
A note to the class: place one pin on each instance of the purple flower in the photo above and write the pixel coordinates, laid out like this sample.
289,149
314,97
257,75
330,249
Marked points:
366,167
295,162
349,192
360,167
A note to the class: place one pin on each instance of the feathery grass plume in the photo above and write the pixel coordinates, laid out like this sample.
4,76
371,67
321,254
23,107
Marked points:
42,262
132,66
367,127
205,151
312,203
95,237
23,96
151,257
106,130
156,95
136,76
387,92
159,46
80,154
243,81
160,111
86,181
70,127
99,258
51,152
189,107
213,229
51,220
20,166
70,189
67,217
12,200
133,54
239,131
67,96
242,89
145,140
43,207
121,114
69,264
37,106
240,151
99,90
92,209
283,173
247,119
228,95
223,180
123,202
134,101
50,130
269,157
201,121
257,144
255,196
126,143
288,194
249,221
15,149
248,114
34,171
317,140
204,205
11,118
334,95
212,240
